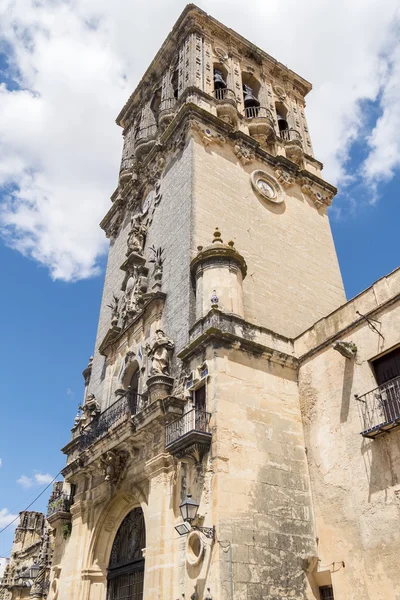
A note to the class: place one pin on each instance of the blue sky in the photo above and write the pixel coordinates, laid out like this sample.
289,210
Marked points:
66,70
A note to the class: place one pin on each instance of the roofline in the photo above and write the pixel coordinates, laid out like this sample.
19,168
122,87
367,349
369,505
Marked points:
174,34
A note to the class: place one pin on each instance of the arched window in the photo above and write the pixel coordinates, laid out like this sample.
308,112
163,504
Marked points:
251,90
220,81
126,568
281,114
175,83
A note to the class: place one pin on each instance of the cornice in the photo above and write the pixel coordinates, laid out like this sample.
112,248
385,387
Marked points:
220,329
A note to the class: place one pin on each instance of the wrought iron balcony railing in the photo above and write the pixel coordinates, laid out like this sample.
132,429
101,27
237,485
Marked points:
126,406
290,135
224,94
380,408
258,112
192,421
60,504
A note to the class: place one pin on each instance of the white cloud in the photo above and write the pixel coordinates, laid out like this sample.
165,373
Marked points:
25,482
1,462
43,478
37,479
6,517
77,62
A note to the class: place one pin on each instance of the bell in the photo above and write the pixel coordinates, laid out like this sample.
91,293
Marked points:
282,123
219,82
249,98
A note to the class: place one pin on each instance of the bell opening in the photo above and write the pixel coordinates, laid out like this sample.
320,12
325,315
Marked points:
220,78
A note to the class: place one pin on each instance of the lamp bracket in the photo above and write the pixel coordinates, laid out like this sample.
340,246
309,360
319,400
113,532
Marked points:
209,532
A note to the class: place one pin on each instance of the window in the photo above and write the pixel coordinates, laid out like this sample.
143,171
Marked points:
387,367
251,90
281,115
326,592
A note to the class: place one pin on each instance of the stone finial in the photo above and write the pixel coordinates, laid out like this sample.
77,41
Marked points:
217,237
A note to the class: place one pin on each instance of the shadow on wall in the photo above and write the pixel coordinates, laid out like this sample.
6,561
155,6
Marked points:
382,462
347,386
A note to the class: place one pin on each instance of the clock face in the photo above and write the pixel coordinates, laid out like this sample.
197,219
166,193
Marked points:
266,189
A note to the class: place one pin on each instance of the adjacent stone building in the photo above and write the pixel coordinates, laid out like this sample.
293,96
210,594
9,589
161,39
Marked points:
26,574
218,454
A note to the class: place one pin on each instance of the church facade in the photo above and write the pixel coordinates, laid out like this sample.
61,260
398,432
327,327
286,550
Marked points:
238,436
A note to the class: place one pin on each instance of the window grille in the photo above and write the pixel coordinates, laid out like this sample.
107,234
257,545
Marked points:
326,592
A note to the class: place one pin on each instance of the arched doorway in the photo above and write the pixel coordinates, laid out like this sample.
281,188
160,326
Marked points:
126,568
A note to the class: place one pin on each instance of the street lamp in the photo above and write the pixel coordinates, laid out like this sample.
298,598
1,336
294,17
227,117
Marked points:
189,510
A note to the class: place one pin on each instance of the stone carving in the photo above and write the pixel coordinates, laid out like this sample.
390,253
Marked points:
39,585
112,464
207,135
284,178
133,298
160,354
130,356
89,410
346,349
114,310
158,261
318,195
214,299
244,154
136,237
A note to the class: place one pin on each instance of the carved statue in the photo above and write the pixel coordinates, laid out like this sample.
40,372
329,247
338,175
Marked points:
112,464
132,300
160,354
136,237
89,410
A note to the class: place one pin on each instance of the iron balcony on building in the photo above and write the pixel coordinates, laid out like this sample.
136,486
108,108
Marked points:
189,434
121,411
380,409
60,504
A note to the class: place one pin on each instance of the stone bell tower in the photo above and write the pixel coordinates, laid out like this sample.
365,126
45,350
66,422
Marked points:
220,255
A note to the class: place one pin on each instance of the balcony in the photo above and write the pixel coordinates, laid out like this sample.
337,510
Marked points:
59,504
226,105
380,409
189,435
293,144
260,121
119,412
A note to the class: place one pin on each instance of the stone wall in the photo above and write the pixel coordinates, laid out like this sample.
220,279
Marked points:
170,229
355,480
261,493
293,274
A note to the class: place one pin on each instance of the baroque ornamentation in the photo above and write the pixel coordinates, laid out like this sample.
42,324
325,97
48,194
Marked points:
284,178
158,261
244,154
160,354
114,305
317,194
136,237
90,410
133,298
112,464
